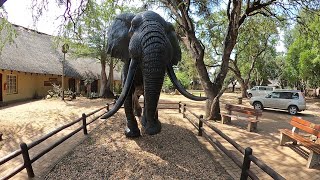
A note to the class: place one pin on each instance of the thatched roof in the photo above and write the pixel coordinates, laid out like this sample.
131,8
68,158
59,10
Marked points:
34,52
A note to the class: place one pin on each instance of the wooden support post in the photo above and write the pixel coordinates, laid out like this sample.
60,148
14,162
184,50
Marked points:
108,107
179,106
26,160
200,125
184,110
246,164
252,126
84,124
313,159
225,119
284,138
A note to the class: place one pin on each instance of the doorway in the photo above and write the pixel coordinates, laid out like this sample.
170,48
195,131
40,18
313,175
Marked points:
72,85
94,86
1,88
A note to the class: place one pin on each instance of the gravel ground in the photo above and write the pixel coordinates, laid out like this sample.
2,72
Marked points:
175,153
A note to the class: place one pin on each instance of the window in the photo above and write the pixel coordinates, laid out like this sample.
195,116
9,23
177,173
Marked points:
286,95
262,88
275,95
12,84
295,96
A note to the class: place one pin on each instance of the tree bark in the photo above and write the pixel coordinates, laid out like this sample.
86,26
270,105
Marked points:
105,91
109,86
244,88
103,80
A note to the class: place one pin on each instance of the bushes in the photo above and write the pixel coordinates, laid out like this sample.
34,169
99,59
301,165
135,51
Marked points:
182,77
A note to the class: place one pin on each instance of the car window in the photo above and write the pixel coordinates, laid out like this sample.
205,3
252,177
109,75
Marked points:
269,89
262,88
295,96
253,89
286,95
275,95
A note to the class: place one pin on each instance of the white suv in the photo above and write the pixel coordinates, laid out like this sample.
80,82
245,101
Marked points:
291,100
259,91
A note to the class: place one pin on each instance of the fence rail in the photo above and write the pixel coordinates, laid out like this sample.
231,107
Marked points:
182,108
247,152
24,148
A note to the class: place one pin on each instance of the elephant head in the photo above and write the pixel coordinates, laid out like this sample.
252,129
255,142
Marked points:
149,47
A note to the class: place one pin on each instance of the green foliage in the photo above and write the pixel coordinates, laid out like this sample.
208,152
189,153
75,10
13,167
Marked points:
302,65
182,77
7,32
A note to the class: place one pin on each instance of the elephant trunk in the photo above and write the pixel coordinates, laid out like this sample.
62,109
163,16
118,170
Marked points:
179,87
126,89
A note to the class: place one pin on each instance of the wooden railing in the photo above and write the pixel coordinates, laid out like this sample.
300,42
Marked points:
182,108
24,148
248,157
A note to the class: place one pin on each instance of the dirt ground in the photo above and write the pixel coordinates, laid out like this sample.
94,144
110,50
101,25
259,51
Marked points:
31,120
289,161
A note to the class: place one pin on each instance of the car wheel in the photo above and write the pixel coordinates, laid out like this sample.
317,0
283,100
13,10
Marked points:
258,105
293,110
249,95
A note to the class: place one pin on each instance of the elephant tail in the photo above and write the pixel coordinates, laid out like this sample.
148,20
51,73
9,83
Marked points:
126,89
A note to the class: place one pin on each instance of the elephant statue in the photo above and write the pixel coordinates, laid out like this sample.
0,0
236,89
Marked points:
148,46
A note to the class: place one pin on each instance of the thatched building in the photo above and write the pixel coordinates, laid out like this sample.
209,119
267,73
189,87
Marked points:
30,65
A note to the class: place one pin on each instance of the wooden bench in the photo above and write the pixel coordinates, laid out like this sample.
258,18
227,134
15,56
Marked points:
250,115
309,129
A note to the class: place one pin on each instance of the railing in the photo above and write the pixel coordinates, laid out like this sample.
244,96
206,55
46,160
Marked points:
248,157
24,148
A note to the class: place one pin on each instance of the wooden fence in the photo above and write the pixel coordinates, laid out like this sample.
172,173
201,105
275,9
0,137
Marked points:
182,108
247,153
24,148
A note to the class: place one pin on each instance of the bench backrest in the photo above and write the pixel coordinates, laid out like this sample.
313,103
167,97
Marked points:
306,126
244,110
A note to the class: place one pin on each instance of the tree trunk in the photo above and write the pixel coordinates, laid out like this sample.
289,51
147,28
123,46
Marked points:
213,107
105,91
109,86
103,81
244,88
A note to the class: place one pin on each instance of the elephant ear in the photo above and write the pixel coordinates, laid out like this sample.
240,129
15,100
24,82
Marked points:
118,38
176,50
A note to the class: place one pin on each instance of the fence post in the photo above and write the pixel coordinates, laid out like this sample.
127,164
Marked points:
84,124
108,108
179,106
184,111
200,125
246,163
26,160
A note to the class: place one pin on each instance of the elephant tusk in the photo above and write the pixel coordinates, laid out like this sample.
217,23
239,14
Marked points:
179,87
126,89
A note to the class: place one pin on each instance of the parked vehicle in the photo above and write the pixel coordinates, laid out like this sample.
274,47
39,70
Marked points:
291,100
259,91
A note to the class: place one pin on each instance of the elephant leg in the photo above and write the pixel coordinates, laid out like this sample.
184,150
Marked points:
132,129
153,80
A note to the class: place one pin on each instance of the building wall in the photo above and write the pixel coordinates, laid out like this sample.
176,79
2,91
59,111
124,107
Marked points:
30,85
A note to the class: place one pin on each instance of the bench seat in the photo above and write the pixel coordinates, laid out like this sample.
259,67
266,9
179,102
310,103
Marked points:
287,135
250,115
